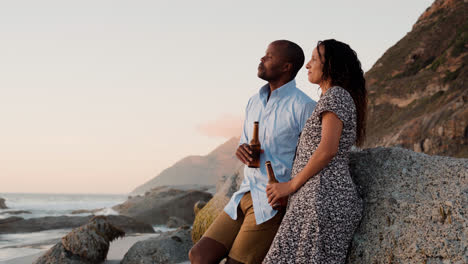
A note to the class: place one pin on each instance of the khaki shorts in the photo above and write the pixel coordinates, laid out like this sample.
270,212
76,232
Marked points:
247,241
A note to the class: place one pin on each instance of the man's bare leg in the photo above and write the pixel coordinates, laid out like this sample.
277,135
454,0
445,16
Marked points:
207,251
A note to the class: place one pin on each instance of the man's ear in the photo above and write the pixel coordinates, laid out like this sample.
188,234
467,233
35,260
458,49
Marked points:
287,67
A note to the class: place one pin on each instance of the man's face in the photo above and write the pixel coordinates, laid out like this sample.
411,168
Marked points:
272,64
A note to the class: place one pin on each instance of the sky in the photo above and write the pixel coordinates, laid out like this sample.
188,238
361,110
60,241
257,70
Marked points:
101,96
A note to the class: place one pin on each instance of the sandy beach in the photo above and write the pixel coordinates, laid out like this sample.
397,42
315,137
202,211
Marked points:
117,250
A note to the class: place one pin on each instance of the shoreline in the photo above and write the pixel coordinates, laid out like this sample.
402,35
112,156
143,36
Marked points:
117,250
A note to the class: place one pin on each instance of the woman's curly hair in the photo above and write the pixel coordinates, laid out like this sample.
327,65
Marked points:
342,67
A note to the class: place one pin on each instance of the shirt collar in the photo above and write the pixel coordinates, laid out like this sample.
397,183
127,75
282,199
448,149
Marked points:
281,91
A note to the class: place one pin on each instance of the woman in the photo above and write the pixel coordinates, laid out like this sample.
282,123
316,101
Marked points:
324,208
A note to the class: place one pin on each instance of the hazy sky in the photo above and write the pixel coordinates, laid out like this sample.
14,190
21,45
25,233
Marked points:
100,96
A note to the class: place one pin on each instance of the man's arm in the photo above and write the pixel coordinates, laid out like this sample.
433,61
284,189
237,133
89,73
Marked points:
243,152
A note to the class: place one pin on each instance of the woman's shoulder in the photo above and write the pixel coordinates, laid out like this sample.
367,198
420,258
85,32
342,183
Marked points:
338,91
338,95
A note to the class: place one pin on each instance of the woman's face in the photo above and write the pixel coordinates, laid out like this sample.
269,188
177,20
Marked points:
315,66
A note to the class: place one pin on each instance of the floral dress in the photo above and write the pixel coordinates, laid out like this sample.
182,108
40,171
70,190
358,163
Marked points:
323,214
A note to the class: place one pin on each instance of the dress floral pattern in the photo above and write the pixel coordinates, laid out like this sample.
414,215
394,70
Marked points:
323,214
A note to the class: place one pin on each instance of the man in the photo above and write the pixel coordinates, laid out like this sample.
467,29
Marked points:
243,232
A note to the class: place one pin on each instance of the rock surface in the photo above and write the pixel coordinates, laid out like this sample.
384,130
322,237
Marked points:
160,203
175,222
15,212
83,245
170,247
205,216
2,204
198,206
20,225
415,207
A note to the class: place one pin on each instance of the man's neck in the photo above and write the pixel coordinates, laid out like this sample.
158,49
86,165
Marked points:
276,84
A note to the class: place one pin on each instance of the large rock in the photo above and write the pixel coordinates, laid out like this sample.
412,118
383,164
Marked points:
415,208
175,222
20,225
205,216
88,244
161,203
170,247
2,204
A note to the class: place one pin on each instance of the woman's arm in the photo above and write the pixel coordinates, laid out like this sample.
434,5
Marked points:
326,150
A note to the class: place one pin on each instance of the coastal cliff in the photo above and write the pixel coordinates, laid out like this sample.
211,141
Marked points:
418,94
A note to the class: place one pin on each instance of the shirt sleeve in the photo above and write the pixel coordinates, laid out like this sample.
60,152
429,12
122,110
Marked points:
244,138
336,101
306,113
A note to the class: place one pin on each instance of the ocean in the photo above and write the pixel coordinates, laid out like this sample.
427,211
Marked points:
41,205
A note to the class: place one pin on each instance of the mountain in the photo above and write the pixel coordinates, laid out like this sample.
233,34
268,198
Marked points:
198,170
417,89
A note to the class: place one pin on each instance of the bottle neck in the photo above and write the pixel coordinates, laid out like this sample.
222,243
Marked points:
271,173
255,133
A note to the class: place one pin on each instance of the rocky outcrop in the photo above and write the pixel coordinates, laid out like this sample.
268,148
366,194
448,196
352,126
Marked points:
175,222
197,170
15,212
86,211
20,225
415,207
205,216
2,204
198,206
170,247
88,244
418,97
160,203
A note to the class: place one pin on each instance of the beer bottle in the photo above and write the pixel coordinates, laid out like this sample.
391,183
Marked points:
255,147
283,201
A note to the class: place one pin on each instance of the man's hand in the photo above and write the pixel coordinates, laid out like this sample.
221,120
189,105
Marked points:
244,154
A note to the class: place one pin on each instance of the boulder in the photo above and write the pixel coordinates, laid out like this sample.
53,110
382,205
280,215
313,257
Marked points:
175,222
415,207
84,245
225,188
156,207
2,204
20,225
198,206
170,247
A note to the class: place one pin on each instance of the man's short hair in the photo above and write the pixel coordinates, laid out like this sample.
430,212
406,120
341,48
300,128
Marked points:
293,54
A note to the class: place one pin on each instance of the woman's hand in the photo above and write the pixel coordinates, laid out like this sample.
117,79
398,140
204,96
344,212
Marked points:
276,191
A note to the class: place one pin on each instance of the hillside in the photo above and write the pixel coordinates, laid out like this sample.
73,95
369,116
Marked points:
198,170
417,89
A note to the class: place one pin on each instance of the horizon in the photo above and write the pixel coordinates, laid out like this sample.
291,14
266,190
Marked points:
98,98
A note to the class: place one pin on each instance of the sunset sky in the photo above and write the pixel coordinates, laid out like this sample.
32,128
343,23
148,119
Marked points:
100,96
